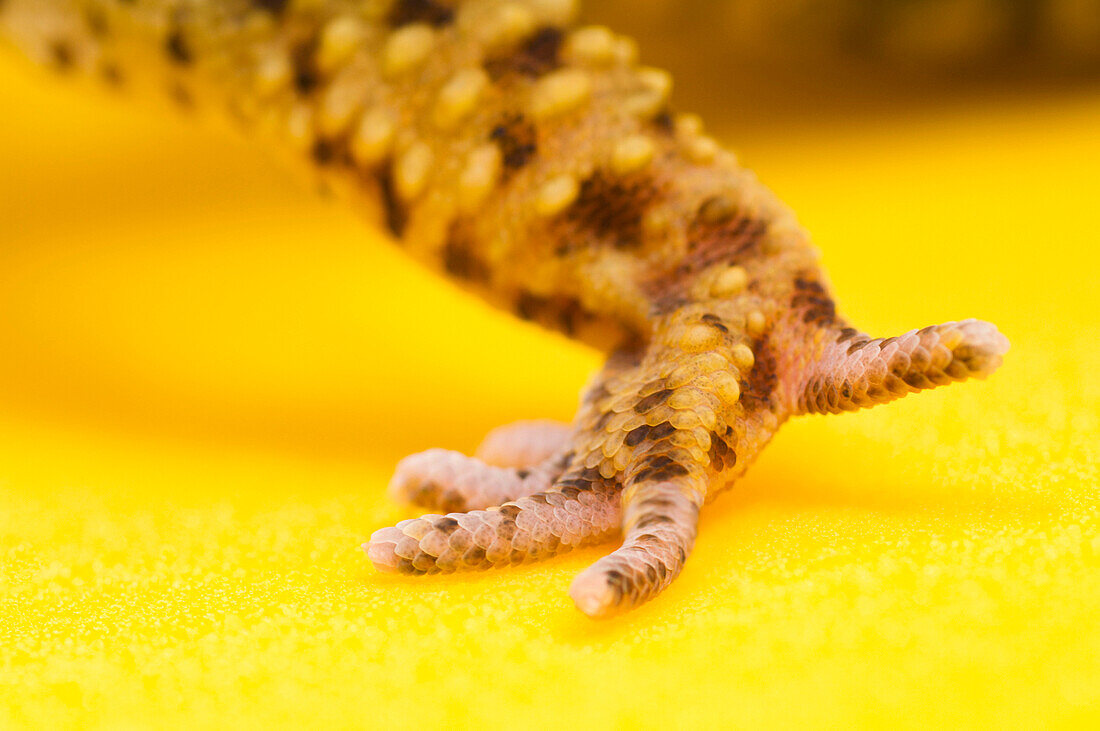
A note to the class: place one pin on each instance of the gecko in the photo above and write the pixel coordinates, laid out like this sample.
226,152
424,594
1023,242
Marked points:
536,162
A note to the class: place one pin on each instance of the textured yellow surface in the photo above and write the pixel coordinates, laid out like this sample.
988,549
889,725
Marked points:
207,373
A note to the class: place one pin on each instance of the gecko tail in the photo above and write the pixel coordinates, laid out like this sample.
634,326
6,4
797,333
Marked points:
858,372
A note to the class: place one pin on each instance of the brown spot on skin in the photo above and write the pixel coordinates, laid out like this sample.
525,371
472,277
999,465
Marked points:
425,562
602,420
612,208
717,209
731,239
446,500
182,96
655,461
96,20
452,502
275,7
553,544
431,12
811,298
574,483
847,334
666,302
461,540
592,474
537,56
517,139
582,480
762,380
397,217
662,431
732,242
305,80
507,530
564,314
652,401
857,345
629,354
446,525
323,152
61,55
658,468
716,322
652,521
528,305
917,379
636,436
665,123
460,258
178,49
597,393
302,59
660,505
562,462
670,472
618,584
721,455
427,492
111,74
662,571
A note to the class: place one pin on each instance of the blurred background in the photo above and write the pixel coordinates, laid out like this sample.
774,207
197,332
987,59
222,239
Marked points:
207,371
790,63
925,38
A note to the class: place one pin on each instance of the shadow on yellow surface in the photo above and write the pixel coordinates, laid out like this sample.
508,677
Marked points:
208,372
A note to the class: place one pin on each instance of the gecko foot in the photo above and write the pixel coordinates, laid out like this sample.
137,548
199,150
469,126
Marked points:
660,430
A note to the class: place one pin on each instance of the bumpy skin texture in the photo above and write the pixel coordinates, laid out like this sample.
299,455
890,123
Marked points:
538,164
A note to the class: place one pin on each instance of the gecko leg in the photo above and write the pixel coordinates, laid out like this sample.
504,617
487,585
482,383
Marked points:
858,372
524,443
659,522
529,528
439,479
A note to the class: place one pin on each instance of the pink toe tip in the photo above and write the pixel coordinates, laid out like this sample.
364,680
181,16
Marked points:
592,594
380,550
382,556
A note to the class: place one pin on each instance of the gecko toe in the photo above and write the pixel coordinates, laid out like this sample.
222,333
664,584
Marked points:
593,594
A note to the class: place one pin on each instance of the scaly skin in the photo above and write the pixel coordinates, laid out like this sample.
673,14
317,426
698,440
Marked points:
539,165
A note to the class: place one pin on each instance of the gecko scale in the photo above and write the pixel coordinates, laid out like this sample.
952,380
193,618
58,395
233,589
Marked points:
535,162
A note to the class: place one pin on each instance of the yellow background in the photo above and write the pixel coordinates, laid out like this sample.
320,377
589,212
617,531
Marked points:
207,373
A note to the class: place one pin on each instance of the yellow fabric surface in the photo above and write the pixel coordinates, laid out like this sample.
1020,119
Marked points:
208,372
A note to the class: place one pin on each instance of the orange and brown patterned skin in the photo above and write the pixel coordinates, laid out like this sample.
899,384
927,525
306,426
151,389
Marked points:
535,162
